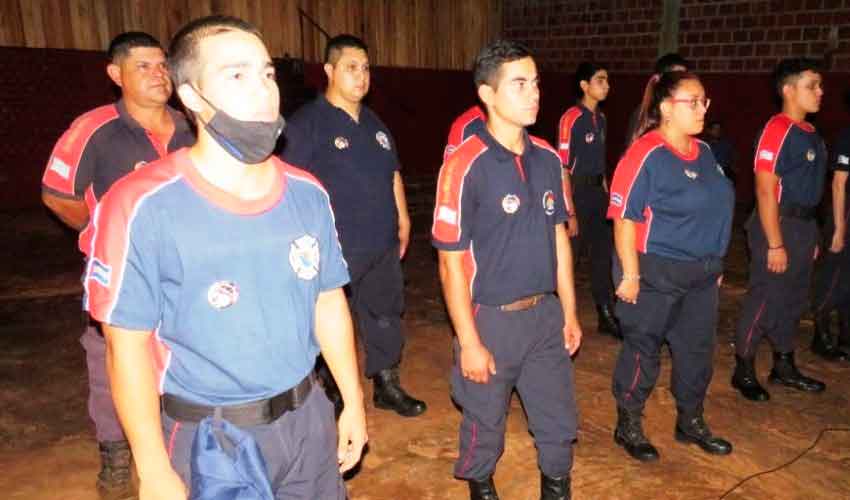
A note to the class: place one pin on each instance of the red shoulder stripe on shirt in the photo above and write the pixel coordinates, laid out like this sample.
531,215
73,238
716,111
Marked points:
542,143
770,143
111,231
61,170
447,209
458,129
627,172
565,132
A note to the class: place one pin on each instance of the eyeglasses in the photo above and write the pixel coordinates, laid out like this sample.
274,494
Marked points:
693,103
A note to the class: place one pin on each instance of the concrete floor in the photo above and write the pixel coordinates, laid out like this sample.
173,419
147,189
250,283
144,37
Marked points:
47,449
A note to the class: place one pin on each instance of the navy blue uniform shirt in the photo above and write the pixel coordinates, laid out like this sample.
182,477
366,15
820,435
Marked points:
102,146
501,209
796,154
356,162
581,141
682,205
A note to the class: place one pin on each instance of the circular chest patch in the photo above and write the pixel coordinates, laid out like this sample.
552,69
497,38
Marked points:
510,203
222,294
549,202
304,257
588,137
341,143
383,140
810,155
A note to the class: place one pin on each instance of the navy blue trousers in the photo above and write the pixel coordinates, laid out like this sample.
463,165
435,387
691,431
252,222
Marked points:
376,295
594,236
528,347
299,449
775,302
677,303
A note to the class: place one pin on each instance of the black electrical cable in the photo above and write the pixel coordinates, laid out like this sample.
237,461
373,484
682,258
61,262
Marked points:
786,464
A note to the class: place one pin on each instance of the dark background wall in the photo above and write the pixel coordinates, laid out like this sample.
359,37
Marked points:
43,89
717,35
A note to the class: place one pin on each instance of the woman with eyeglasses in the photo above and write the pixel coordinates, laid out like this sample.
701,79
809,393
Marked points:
672,210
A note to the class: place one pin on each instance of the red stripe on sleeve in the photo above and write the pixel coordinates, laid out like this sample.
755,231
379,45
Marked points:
565,133
447,209
770,143
111,232
61,170
456,132
627,172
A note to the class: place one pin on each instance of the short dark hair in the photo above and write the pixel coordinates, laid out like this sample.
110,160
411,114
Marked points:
585,72
183,49
790,70
491,58
121,45
666,62
335,45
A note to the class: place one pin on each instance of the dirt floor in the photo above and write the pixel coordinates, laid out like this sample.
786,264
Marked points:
47,448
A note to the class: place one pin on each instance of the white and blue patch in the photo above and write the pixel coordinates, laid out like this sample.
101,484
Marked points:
383,140
617,199
61,168
304,257
100,272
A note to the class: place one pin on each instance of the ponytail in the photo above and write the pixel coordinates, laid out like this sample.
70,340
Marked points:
658,88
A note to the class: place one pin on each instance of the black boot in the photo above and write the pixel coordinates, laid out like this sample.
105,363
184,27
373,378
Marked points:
629,434
113,481
607,323
785,372
555,488
691,428
744,379
390,396
844,334
822,344
482,490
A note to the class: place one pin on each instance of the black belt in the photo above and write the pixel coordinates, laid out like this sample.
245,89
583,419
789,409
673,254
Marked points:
250,414
797,211
587,180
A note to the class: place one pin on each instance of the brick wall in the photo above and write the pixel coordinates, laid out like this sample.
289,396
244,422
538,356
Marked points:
752,36
718,35
623,33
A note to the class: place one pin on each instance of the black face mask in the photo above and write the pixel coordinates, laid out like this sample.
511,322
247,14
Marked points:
250,142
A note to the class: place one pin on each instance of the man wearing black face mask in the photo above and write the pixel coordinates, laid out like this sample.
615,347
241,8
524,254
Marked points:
217,275
349,149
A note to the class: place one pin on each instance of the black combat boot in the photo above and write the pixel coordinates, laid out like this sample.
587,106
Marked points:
555,488
482,490
691,428
113,481
629,434
607,323
785,372
390,396
844,334
822,343
744,379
